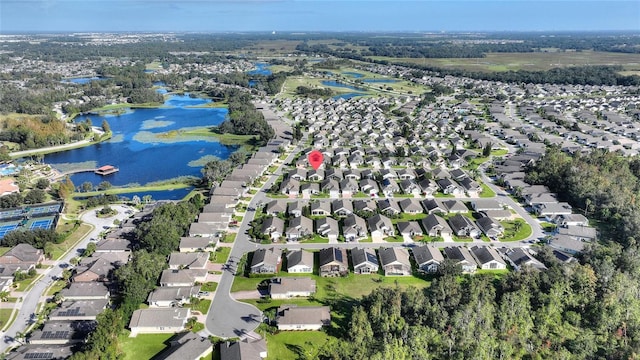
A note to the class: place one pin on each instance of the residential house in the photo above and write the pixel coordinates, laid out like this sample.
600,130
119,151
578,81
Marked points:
463,226
571,220
186,346
299,261
349,187
328,227
520,259
182,277
409,229
272,227
266,261
551,210
449,187
275,207
488,258
294,208
481,205
410,206
433,206
435,226
469,185
582,233
390,187
172,296
428,258
85,291
354,228
113,245
158,321
291,317
24,256
79,310
61,333
365,206
369,187
289,287
389,207
299,228
52,352
462,257
380,226
320,208
455,206
191,260
410,187
364,261
342,207
290,187
245,349
330,186
395,261
195,244
333,262
490,227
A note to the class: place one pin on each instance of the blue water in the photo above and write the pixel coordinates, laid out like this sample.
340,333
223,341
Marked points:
380,80
141,158
253,83
84,80
353,74
9,169
337,84
261,69
348,96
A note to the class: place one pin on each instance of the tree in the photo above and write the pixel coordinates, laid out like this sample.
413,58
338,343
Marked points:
87,186
42,183
105,126
90,249
49,248
104,185
35,196
215,171
486,151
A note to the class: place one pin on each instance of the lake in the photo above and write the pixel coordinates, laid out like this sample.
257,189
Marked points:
83,80
353,74
261,69
341,85
143,146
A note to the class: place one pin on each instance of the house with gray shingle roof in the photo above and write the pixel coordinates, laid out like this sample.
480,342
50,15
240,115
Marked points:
395,261
266,261
428,258
488,258
158,320
364,261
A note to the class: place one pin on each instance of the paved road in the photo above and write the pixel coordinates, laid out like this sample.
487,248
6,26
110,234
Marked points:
29,305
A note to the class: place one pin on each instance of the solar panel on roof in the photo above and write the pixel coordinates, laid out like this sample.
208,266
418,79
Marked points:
39,355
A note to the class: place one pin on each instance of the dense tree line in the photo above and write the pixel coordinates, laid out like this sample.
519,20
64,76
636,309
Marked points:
244,119
313,92
36,238
37,132
29,101
602,184
564,312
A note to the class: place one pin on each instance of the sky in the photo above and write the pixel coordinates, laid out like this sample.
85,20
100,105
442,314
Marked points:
316,15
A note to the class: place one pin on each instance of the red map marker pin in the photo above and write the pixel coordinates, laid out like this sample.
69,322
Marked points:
315,159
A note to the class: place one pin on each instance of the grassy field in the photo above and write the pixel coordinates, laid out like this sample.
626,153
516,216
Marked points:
125,190
82,231
510,233
202,306
529,61
143,346
486,191
225,139
5,314
291,345
4,249
355,286
221,255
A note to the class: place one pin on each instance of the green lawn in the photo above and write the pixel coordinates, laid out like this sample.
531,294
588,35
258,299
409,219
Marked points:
5,314
82,231
486,191
57,286
4,249
293,345
408,217
510,233
143,346
221,255
397,238
354,286
316,239
499,152
229,238
202,306
210,286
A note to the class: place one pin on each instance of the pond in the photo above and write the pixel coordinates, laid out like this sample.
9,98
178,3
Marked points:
148,144
353,74
341,85
83,80
261,69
